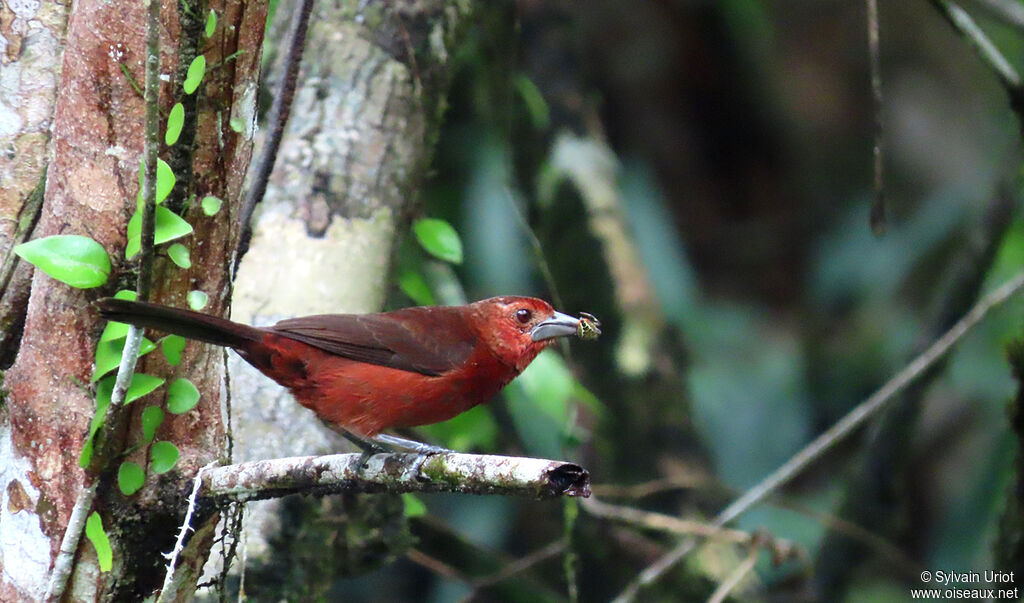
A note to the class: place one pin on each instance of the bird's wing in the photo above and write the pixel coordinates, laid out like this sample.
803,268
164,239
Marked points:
430,341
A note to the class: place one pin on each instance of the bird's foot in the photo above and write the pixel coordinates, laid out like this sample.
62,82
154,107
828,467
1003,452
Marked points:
369,448
423,452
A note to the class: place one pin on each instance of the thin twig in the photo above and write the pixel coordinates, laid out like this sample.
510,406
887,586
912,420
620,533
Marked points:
878,220
151,147
839,525
977,38
858,533
733,579
172,557
686,481
277,120
63,564
1010,11
233,522
435,565
780,548
843,428
521,565
241,569
538,249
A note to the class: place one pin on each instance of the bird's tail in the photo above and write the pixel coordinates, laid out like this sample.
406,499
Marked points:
193,325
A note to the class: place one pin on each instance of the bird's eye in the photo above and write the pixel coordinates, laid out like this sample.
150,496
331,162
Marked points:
523,315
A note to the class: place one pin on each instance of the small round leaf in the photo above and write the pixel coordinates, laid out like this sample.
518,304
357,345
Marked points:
194,75
197,300
130,478
76,260
133,247
179,255
415,286
98,537
140,386
211,23
182,396
439,239
175,121
152,417
163,455
211,205
165,180
172,346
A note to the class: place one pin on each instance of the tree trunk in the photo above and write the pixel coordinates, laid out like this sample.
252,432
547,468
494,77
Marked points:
34,38
360,134
91,188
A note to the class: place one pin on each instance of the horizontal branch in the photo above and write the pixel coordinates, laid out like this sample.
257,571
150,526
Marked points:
464,473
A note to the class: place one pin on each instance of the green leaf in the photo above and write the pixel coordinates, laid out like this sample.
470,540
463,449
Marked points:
165,180
211,205
134,225
133,247
85,457
536,106
141,385
237,124
172,346
104,389
182,396
197,300
163,455
98,537
414,507
196,71
152,417
108,355
175,121
116,330
130,478
439,239
169,226
179,255
211,23
415,286
76,260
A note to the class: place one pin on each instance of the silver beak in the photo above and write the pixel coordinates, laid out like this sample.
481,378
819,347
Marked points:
558,325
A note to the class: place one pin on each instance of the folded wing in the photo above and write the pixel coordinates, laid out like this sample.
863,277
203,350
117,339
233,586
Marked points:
430,341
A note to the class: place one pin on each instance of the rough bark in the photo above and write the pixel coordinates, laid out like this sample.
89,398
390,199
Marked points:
91,187
354,153
31,40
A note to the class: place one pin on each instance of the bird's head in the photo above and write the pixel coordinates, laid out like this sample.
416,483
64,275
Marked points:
516,329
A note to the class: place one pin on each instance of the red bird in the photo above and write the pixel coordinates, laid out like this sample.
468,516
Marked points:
363,373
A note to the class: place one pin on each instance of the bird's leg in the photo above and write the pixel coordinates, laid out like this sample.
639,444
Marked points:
422,451
369,447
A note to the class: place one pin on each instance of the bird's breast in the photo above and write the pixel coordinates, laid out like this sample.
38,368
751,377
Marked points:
367,398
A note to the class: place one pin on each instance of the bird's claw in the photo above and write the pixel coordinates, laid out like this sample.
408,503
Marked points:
421,458
417,467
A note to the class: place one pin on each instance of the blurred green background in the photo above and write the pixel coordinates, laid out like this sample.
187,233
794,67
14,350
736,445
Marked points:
698,175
